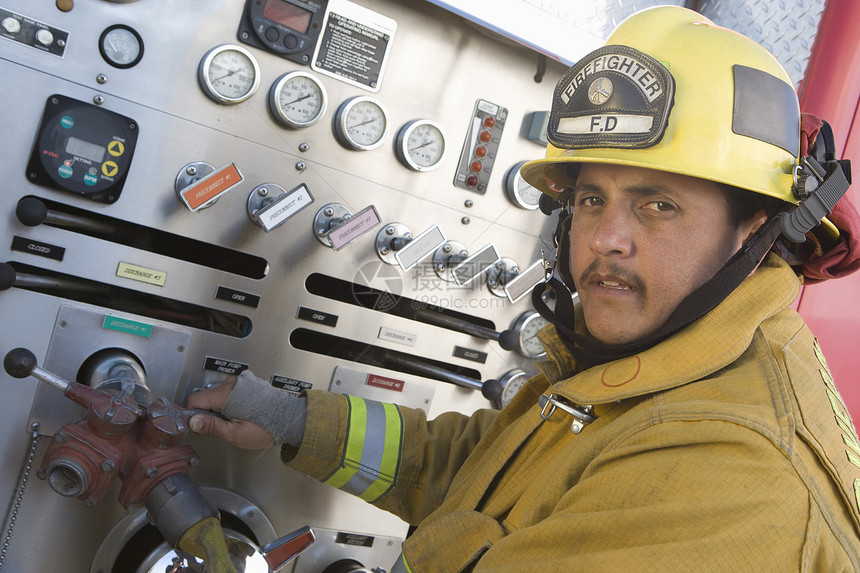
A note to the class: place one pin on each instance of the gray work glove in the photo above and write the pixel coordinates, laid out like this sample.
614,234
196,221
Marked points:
257,414
279,412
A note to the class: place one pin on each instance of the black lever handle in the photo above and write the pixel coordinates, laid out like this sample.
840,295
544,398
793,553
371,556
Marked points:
508,339
19,363
32,211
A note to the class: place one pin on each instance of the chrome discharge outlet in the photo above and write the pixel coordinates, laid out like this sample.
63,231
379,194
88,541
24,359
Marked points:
175,504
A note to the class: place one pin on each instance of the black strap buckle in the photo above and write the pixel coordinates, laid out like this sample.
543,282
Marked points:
821,188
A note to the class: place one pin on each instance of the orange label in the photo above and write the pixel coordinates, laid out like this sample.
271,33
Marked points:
211,186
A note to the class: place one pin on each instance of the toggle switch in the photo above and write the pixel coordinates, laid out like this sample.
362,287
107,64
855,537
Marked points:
395,244
447,257
523,283
500,274
476,265
391,239
335,226
199,185
413,251
270,205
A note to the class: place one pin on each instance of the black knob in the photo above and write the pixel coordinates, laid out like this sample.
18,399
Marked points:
509,340
491,389
31,211
7,276
19,362
344,566
548,204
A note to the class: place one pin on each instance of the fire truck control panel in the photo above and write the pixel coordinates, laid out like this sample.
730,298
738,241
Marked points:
324,192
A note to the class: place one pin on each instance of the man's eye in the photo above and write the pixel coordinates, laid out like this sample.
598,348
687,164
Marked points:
591,201
660,206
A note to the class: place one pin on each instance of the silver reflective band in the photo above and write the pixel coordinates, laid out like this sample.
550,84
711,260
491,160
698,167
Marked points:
582,415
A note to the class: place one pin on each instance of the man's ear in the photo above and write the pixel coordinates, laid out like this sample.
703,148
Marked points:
751,225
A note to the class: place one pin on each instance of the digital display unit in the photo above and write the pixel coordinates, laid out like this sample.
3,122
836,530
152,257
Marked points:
287,28
288,15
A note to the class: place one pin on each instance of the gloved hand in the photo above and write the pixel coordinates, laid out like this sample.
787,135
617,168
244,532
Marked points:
258,414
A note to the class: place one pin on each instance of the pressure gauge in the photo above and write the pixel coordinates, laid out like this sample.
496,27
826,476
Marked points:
503,390
297,99
511,384
121,46
361,123
229,74
519,192
421,145
527,326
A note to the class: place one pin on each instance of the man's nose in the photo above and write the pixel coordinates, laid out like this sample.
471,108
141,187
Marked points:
613,233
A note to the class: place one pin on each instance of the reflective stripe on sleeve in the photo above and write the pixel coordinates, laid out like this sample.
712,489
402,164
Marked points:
401,566
372,450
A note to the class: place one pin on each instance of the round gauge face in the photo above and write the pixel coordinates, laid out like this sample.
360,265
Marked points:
519,192
512,386
121,46
361,123
421,145
298,99
527,327
229,74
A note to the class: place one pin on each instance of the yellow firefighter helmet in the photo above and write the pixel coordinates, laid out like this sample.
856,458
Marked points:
672,91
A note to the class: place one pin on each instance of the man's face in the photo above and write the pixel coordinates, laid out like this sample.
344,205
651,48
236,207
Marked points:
641,241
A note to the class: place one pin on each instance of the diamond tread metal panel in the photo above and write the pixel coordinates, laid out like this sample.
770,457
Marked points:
786,28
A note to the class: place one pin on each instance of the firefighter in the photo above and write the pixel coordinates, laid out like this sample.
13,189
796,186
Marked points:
685,419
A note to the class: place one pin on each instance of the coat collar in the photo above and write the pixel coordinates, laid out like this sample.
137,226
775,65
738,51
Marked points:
705,346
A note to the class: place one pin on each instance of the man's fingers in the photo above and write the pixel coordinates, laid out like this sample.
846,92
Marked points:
212,398
209,425
238,433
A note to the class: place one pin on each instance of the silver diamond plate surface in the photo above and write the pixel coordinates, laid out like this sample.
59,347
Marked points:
598,17
786,28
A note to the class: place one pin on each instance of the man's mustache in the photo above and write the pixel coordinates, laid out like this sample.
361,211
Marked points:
614,269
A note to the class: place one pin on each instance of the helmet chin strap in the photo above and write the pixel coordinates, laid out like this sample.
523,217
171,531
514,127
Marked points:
589,351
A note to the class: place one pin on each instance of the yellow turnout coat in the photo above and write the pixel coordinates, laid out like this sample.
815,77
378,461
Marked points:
724,448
